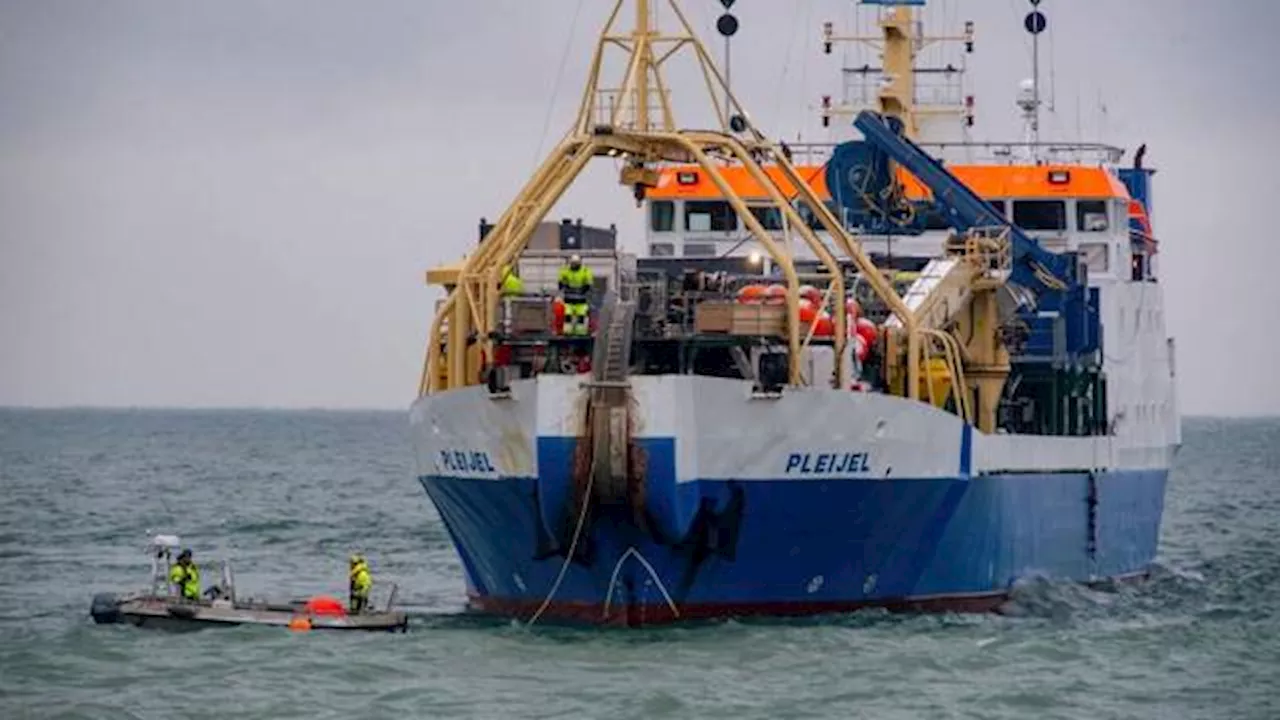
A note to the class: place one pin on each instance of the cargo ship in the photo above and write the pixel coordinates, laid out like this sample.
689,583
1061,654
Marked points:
881,371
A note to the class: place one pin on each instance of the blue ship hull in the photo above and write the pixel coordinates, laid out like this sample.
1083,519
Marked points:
718,547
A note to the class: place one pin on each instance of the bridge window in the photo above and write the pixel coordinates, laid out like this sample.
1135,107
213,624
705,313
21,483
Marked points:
1040,214
662,249
769,217
699,249
1091,215
662,215
709,216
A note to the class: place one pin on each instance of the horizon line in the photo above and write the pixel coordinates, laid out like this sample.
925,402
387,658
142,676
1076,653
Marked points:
203,408
1265,415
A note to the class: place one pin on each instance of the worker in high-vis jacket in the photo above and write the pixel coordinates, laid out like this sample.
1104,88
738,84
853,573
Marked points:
360,583
575,285
511,282
185,576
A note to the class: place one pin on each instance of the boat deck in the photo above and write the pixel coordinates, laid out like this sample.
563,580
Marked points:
179,614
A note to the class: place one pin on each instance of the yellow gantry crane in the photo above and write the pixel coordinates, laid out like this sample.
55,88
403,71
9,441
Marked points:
635,122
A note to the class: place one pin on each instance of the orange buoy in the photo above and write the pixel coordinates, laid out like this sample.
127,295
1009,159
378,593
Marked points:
866,330
324,605
775,294
853,310
811,293
825,326
557,316
751,293
860,347
808,311
299,624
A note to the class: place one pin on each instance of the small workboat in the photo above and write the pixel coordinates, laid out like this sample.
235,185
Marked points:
157,607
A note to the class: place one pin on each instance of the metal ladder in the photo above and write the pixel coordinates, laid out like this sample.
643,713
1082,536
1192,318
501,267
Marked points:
610,400
611,357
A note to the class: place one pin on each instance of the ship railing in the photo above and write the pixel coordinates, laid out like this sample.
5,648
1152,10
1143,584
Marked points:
610,102
987,153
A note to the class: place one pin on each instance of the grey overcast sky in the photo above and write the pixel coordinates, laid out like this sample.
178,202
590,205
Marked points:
232,203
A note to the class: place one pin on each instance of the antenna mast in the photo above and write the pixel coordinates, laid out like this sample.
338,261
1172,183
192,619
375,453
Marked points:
899,88
1029,94
727,25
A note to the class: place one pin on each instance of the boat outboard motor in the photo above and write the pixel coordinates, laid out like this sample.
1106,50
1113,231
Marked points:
105,609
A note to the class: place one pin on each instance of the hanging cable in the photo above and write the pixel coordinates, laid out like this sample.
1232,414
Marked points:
804,68
555,89
568,558
786,70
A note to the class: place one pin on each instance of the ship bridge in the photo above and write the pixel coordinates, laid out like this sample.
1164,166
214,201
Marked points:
1065,207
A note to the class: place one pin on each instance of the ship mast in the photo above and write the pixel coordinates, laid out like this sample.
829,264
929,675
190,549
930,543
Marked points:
899,88
1029,92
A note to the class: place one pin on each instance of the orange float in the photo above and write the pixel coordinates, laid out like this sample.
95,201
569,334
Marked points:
776,294
811,293
825,326
751,293
557,316
325,605
299,624
866,330
808,311
860,348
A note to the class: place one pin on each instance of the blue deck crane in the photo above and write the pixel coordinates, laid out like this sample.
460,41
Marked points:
1058,308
